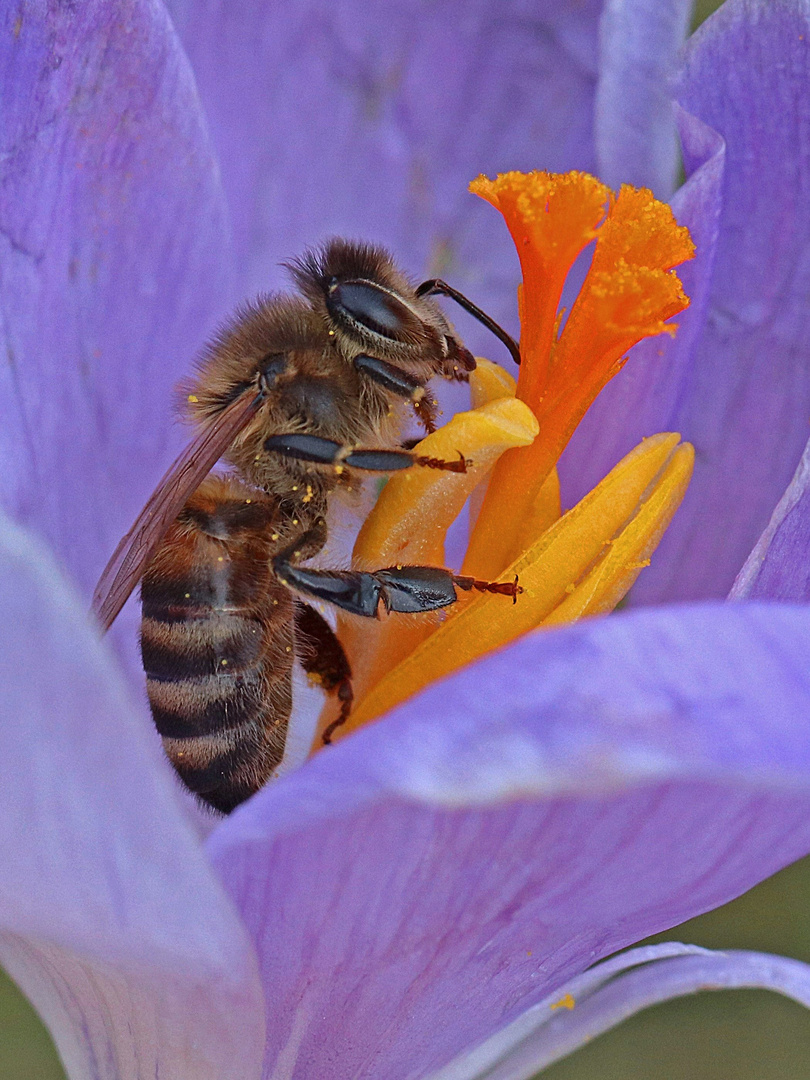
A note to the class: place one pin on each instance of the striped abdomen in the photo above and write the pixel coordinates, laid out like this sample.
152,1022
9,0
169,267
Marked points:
217,641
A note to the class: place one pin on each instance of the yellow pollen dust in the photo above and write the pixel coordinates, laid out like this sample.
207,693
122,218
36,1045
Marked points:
568,565
566,1002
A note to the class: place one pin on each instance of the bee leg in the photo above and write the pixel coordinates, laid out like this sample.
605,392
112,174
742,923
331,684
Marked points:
437,287
401,383
399,588
327,452
322,656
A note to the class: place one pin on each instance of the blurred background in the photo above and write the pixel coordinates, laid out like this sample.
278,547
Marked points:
736,1035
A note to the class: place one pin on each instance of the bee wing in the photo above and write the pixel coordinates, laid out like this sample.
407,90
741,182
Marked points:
129,559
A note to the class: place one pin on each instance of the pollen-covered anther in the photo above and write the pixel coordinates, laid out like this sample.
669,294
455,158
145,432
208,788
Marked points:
629,293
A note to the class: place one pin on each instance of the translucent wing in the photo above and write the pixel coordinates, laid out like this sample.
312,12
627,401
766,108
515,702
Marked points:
129,559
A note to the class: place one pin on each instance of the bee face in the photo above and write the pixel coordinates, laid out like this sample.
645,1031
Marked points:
369,305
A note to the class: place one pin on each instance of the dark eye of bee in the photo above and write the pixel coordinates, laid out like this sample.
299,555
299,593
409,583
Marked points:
363,304
273,365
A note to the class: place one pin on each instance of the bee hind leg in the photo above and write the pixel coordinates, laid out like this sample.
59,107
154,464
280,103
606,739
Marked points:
322,657
410,589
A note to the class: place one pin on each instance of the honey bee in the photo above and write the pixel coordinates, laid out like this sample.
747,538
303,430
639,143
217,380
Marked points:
300,394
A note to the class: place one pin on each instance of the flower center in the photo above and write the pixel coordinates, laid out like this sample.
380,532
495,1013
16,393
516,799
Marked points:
583,562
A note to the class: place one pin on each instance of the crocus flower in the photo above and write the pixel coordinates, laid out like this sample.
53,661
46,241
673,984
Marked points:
425,898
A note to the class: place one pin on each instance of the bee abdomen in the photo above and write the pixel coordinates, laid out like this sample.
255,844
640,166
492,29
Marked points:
185,708
217,644
222,723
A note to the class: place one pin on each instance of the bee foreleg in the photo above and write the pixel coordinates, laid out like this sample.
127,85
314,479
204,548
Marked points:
327,452
401,383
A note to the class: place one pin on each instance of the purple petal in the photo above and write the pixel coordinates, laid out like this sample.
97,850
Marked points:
113,263
634,131
747,75
443,870
110,918
779,567
646,395
549,1031
370,120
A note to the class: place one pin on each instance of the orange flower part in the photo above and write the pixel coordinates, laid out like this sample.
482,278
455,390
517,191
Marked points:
410,520
583,565
629,293
551,217
568,566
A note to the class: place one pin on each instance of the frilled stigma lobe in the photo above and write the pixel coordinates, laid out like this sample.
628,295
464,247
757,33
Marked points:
568,565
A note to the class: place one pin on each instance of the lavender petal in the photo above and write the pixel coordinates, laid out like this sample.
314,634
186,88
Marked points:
635,136
445,869
370,120
646,395
552,1030
113,264
746,74
110,918
779,566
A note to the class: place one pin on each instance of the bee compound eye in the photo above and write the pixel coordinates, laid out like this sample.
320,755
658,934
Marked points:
270,368
363,304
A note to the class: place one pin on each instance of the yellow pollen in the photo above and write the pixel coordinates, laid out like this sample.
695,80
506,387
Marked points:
572,565
565,1002
193,398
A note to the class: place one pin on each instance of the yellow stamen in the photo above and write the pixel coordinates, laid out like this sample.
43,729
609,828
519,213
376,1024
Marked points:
410,521
622,517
